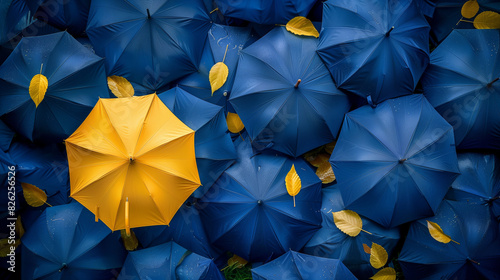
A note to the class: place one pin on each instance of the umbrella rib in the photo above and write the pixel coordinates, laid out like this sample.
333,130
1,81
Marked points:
271,183
138,154
72,74
432,143
413,133
272,68
290,216
418,188
169,172
62,63
234,179
143,124
57,119
450,51
98,179
367,130
235,224
114,129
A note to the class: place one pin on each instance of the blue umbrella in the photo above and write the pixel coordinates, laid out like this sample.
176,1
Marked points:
186,229
395,162
293,265
219,38
265,11
15,15
330,242
427,7
151,43
476,257
66,243
249,212
65,15
213,146
6,136
448,16
377,49
479,181
75,77
285,96
196,267
462,83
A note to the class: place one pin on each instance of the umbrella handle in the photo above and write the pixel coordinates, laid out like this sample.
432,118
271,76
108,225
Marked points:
127,221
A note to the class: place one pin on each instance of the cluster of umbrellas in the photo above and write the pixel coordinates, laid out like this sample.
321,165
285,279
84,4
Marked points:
185,139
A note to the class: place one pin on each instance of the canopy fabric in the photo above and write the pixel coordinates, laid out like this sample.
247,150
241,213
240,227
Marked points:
132,151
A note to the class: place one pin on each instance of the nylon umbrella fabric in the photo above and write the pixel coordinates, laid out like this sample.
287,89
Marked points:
276,114
66,15
251,213
375,49
151,43
395,162
75,78
265,12
294,265
186,229
213,146
476,257
6,136
219,38
479,181
448,16
330,242
66,243
132,162
462,83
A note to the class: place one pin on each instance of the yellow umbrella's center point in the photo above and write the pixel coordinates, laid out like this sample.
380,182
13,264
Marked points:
131,160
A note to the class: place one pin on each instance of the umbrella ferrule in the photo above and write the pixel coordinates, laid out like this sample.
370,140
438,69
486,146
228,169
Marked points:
298,83
259,202
389,32
149,15
64,266
402,160
492,82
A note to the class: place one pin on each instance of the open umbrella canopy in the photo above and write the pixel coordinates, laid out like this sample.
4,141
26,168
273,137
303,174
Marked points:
224,44
168,261
212,143
132,162
66,243
285,96
66,80
476,256
395,162
479,181
377,49
151,43
6,135
250,213
330,242
463,84
265,11
293,265
65,15
186,229
448,16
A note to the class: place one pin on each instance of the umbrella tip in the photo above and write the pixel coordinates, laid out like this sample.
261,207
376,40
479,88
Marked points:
149,15
402,160
259,202
389,32
298,83
492,82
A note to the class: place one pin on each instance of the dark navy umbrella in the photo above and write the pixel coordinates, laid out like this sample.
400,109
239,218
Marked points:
448,16
479,181
249,212
66,243
265,11
186,229
297,266
213,146
151,43
462,83
395,162
75,79
377,49
330,242
477,255
285,96
196,267
15,15
65,15
6,136
219,38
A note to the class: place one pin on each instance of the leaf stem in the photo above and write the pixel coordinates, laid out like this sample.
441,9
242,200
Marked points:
214,10
366,231
241,136
455,241
294,201
41,67
224,58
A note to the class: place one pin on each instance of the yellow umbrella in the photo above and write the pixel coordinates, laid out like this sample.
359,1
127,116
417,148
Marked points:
132,162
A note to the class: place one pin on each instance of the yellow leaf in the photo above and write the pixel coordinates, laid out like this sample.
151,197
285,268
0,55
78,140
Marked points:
218,76
302,26
234,123
470,9
324,171
487,20
19,227
237,261
367,249
120,86
438,234
131,241
38,88
387,273
349,222
378,256
34,196
329,147
293,183
5,246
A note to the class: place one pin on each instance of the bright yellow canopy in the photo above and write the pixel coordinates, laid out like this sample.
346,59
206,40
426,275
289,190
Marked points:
134,149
